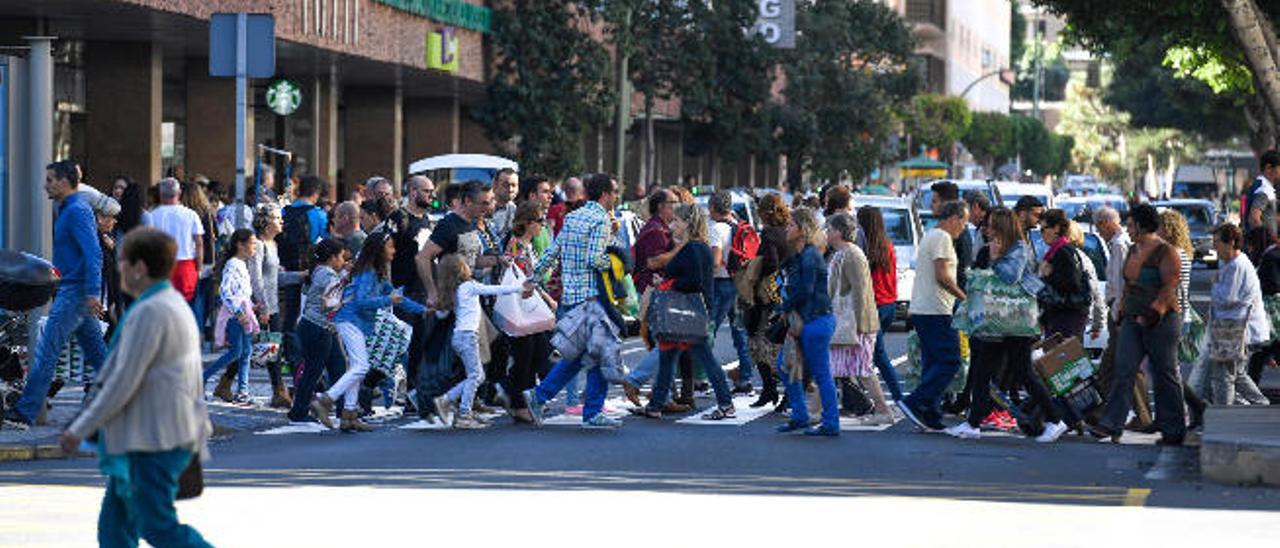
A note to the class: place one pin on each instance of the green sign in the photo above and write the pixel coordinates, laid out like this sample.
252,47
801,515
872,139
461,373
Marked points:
453,12
284,97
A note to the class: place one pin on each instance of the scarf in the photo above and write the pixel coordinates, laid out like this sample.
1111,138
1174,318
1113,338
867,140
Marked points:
1053,249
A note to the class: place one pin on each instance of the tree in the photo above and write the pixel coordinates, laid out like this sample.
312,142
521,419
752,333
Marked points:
850,68
724,99
1054,73
551,84
936,120
990,139
1212,41
1155,97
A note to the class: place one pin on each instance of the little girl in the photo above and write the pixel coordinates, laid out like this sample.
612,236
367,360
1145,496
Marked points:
466,307
236,322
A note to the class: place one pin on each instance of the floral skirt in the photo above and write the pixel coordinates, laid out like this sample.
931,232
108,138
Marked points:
854,360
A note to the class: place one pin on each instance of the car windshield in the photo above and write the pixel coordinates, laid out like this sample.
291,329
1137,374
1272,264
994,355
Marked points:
1198,218
897,223
1205,191
926,195
1076,211
928,221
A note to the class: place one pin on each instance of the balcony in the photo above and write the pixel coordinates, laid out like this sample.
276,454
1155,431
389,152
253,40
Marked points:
928,16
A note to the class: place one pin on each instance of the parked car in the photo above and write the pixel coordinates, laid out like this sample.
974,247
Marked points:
1202,217
904,230
923,199
1010,192
744,206
1080,208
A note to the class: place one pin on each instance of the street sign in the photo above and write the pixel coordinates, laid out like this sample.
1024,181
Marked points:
284,97
442,49
260,45
777,22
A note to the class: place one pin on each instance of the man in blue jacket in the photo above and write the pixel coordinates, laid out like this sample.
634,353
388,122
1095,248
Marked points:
76,308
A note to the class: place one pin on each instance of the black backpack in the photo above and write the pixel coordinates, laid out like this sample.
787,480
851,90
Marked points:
294,244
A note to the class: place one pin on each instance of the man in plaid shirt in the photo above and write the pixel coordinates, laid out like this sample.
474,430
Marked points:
579,251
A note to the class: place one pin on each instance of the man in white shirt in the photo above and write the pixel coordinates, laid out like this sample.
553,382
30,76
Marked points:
724,303
183,225
933,297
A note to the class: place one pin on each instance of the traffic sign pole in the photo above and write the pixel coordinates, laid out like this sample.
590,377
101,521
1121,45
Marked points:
242,92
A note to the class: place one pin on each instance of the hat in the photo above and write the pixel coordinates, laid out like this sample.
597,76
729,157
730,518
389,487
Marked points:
100,203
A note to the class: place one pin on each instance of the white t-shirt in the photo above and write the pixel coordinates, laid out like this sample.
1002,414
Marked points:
721,237
927,297
180,223
467,308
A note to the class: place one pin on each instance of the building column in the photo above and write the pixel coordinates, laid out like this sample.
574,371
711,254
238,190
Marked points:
374,134
431,127
123,99
325,114
211,126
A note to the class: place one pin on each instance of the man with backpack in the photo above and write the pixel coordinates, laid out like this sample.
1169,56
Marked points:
1258,205
733,243
305,224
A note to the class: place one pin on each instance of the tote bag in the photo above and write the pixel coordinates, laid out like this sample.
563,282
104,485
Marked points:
517,316
678,317
1227,339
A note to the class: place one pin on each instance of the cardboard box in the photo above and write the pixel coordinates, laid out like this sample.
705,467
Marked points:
1064,364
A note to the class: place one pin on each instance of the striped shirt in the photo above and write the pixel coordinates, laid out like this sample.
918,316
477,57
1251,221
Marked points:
579,251
1184,283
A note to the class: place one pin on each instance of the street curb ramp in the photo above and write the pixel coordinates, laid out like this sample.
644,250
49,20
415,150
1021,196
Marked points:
1241,445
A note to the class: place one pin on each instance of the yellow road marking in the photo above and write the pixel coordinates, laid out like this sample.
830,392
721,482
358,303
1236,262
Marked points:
1136,497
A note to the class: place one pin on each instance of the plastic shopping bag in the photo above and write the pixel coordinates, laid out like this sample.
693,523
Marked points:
517,316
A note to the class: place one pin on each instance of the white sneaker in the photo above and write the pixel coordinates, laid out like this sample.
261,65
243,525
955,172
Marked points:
964,431
1052,432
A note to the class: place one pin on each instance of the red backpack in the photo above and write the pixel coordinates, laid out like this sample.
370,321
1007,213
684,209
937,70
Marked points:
746,243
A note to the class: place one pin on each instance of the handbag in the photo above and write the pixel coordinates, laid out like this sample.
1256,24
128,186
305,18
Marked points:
191,481
389,341
517,316
266,347
1192,340
776,331
1227,339
1271,303
745,281
1053,299
678,317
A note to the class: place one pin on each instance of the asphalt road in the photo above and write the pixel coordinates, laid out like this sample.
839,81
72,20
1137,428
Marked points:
560,485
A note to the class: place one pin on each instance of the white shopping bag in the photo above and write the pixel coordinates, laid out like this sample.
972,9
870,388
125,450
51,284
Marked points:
517,316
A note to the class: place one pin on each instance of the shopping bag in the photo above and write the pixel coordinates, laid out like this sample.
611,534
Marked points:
996,309
389,341
1227,339
678,317
266,347
1192,342
517,316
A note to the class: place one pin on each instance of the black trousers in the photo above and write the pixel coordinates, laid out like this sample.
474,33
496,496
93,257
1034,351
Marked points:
1011,354
417,342
531,360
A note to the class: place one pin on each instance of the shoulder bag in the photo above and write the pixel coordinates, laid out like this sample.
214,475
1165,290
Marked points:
678,317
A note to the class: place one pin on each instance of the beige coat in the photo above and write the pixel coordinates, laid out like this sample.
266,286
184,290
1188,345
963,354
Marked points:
152,395
852,298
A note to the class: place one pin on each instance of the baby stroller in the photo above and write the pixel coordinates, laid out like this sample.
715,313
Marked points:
26,282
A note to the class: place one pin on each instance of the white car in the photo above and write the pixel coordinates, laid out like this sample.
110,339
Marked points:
744,206
1010,192
903,228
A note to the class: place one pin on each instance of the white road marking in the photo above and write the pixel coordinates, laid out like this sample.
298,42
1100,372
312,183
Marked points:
898,360
743,415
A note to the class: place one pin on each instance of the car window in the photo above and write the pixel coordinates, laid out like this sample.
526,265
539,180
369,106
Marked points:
1197,217
897,223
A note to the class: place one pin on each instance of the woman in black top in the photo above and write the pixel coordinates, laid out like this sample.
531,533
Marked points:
1062,271
690,272
772,252
1264,250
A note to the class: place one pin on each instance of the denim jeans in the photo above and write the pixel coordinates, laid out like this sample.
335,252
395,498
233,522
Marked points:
704,357
467,345
724,306
566,371
147,510
815,346
887,372
239,352
1159,345
322,353
645,370
939,362
67,317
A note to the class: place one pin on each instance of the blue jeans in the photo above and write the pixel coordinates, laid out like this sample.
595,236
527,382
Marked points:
566,371
666,375
815,345
146,510
887,372
321,353
645,370
67,317
467,345
725,306
939,362
239,351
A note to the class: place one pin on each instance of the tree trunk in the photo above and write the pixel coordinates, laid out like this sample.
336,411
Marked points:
1263,130
648,166
1247,26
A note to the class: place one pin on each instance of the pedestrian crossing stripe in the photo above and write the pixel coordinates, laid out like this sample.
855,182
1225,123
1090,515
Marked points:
743,415
852,424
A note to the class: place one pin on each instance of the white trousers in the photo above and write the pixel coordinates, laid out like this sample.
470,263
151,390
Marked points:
348,386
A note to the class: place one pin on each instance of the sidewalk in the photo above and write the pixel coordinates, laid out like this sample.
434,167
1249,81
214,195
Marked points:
1241,444
41,441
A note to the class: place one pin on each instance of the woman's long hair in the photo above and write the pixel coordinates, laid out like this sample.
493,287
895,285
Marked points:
1002,225
695,220
877,240
807,221
453,271
1173,228
132,204
373,256
240,236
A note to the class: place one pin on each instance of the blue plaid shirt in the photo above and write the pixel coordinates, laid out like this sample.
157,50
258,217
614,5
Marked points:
579,251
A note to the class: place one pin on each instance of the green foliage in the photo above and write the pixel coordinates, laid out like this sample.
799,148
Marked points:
724,98
551,84
850,69
1042,152
1055,73
1017,30
990,138
936,120
1222,74
1155,97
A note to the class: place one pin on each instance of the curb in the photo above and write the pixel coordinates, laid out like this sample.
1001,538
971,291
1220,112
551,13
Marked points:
34,451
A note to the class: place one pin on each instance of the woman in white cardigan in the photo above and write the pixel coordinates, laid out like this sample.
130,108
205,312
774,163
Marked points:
148,410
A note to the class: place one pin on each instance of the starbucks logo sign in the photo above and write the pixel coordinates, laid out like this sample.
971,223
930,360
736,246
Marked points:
284,97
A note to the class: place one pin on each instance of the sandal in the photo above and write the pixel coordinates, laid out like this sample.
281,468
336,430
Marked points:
719,414
645,412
